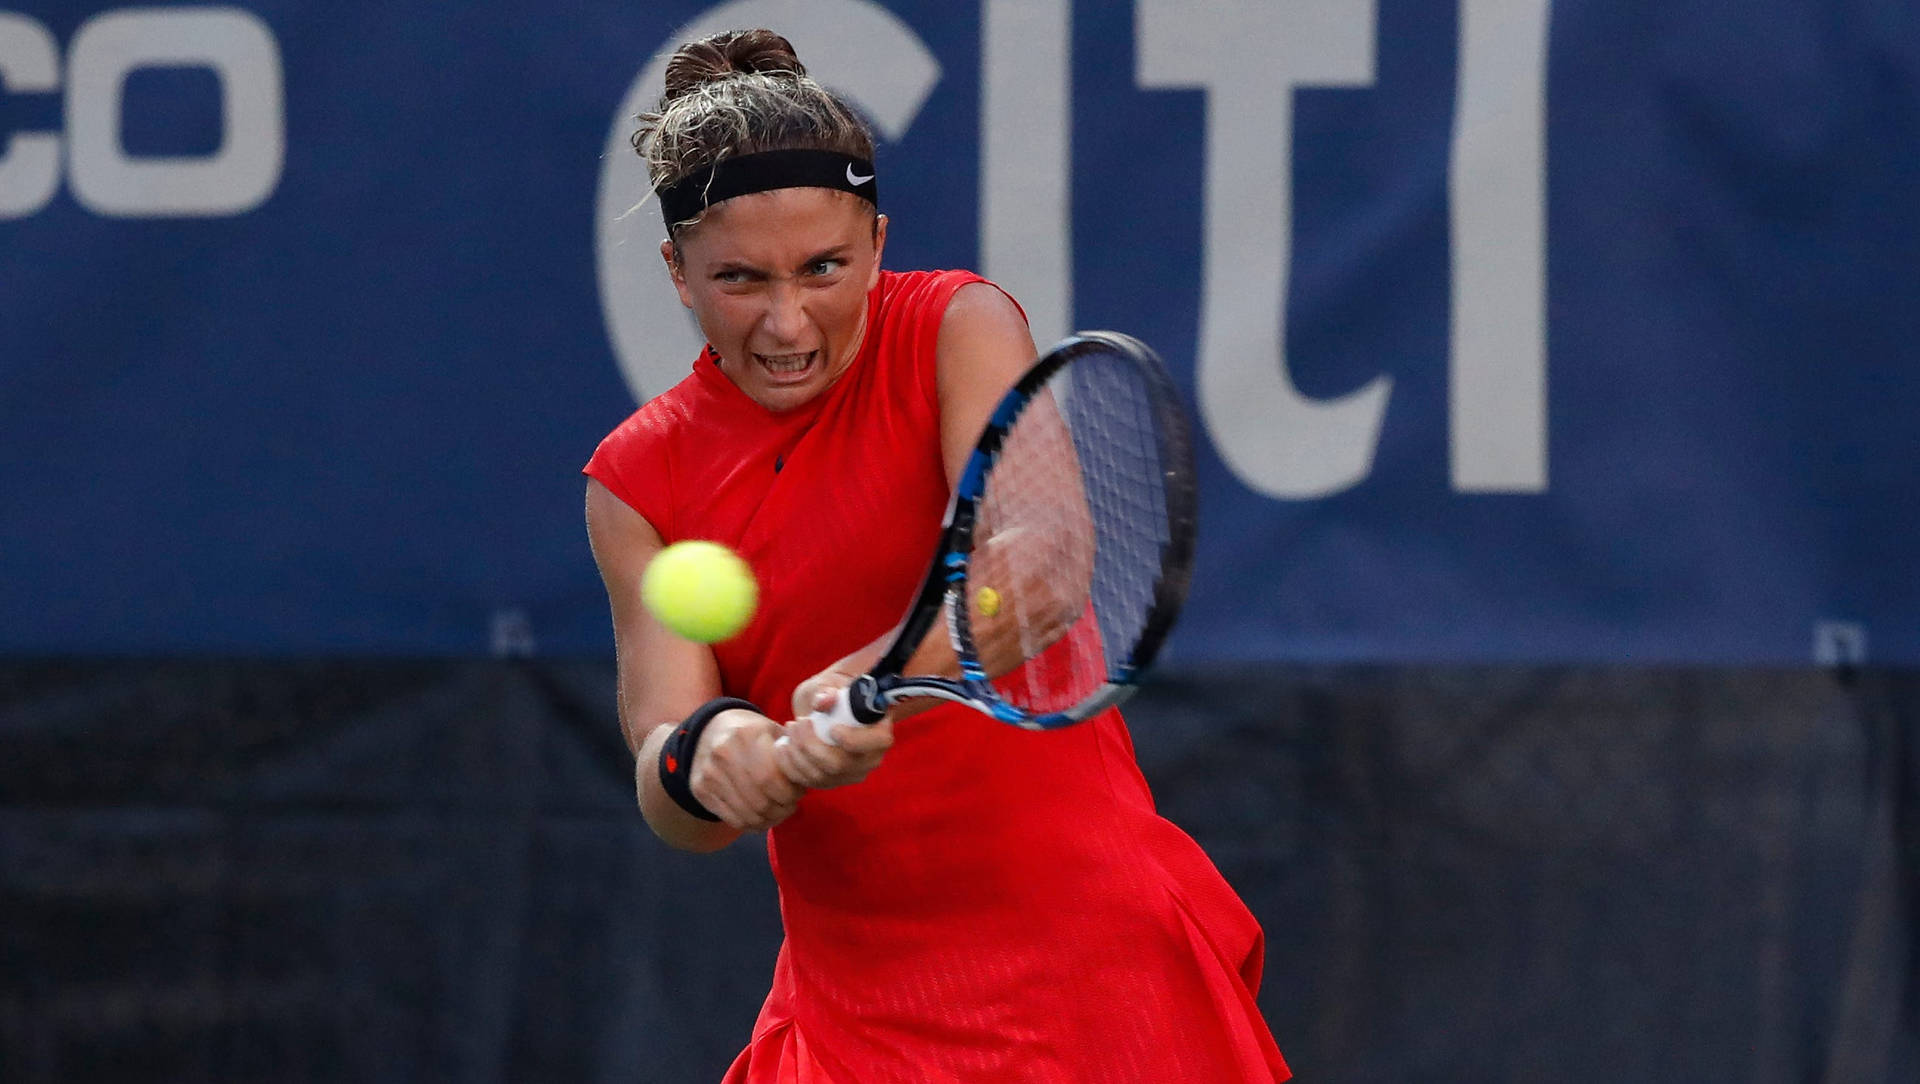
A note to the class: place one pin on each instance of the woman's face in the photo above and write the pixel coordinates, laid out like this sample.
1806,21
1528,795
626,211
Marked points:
779,282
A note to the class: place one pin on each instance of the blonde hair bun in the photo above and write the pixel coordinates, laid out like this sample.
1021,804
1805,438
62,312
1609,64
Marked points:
697,63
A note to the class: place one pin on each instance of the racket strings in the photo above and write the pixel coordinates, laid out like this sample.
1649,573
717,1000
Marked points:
1076,502
1115,419
1035,555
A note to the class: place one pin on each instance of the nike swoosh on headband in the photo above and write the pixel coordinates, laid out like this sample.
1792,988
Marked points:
854,179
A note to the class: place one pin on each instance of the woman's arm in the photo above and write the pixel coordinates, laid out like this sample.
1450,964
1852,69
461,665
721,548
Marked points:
983,348
662,679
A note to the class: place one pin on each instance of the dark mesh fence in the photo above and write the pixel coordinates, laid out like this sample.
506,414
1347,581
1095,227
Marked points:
331,871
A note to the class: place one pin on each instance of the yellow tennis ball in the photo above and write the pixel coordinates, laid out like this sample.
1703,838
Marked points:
701,590
989,601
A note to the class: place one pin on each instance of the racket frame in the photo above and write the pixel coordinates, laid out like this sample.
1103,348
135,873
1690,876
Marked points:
944,589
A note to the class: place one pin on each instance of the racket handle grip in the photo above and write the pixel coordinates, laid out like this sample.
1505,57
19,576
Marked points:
825,721
856,705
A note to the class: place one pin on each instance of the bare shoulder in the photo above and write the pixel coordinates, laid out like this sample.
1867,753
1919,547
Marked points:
984,341
982,315
622,540
608,513
984,346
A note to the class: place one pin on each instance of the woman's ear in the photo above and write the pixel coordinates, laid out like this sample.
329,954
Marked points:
879,249
676,270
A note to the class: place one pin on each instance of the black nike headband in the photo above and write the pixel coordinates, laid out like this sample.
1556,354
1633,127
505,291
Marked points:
686,198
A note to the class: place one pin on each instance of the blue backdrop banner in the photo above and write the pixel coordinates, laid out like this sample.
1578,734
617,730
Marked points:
1549,330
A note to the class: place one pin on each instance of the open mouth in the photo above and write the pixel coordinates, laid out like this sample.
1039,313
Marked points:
787,367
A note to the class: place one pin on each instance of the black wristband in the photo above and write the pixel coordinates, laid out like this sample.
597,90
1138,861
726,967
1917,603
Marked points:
676,754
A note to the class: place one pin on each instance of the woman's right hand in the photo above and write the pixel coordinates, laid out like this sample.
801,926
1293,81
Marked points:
854,751
736,774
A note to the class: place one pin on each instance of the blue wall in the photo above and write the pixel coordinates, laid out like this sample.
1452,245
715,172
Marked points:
315,373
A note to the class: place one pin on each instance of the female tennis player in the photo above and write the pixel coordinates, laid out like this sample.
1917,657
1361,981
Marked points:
962,900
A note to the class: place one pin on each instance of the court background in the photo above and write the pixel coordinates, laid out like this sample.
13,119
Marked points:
1547,690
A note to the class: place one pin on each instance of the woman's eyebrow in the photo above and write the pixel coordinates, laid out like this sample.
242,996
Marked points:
836,252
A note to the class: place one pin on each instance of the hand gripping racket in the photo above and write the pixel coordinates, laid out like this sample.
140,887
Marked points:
1065,553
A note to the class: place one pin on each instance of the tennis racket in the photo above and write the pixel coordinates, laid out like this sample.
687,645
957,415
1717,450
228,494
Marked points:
1065,553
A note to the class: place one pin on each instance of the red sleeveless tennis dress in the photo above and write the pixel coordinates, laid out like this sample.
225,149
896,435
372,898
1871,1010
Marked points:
991,904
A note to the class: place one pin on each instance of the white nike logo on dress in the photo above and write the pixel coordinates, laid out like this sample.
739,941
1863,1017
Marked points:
855,179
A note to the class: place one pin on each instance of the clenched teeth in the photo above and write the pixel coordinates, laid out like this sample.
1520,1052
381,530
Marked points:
786,363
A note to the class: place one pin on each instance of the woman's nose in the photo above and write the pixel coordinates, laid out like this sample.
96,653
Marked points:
786,317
